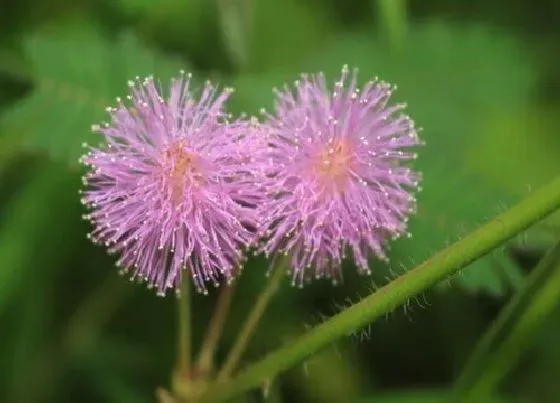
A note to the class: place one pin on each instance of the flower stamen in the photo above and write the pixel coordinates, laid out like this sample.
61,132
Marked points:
332,164
182,169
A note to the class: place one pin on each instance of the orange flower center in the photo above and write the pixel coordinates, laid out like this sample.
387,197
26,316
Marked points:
181,170
331,165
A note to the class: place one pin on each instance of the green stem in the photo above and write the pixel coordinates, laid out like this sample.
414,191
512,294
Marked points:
392,19
252,321
520,319
184,335
444,264
236,17
215,329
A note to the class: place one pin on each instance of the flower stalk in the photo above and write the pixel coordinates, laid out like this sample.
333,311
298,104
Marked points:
215,329
250,325
183,366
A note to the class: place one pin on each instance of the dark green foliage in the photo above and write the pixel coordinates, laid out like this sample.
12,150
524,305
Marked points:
473,76
77,73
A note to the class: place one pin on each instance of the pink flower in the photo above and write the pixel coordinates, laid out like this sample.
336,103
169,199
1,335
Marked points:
337,177
175,187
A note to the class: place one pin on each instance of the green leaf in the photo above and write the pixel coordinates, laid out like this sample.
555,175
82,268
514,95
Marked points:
77,74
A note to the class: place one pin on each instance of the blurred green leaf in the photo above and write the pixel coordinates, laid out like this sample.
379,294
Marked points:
451,204
542,235
453,78
452,87
11,61
117,390
190,25
31,329
185,18
180,17
140,7
542,363
254,91
517,151
110,352
330,376
77,74
93,313
113,386
423,396
10,147
284,32
504,343
32,237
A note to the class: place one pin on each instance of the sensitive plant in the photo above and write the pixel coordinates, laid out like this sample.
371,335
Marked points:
178,185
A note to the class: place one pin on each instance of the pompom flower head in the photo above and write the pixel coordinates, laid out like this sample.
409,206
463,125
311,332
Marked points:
337,177
172,188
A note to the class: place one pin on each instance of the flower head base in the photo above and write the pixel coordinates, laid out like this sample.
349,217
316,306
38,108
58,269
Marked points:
336,178
173,189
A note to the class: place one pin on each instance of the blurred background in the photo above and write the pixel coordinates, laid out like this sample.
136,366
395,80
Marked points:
480,77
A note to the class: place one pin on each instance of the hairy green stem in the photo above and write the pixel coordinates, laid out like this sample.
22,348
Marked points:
215,329
252,321
506,340
444,264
